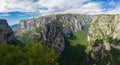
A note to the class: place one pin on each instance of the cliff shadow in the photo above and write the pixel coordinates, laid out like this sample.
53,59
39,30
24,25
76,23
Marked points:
73,55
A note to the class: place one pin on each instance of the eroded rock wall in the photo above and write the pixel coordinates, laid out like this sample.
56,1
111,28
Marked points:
6,33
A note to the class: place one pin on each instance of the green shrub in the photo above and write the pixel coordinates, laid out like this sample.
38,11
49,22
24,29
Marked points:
36,54
28,38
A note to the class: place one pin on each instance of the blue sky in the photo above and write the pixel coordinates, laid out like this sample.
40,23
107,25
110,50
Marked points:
15,10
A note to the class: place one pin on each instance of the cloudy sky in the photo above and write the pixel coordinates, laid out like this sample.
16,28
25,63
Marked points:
15,10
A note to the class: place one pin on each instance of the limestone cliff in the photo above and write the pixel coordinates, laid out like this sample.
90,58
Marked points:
104,27
6,33
104,39
74,21
55,28
103,36
53,36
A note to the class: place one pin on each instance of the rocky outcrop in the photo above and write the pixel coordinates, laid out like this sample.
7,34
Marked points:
6,33
53,36
98,50
103,39
74,21
104,27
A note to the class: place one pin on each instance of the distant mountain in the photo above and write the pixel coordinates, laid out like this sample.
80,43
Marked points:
14,26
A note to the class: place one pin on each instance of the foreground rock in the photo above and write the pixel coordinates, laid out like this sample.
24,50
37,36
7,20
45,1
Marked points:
6,33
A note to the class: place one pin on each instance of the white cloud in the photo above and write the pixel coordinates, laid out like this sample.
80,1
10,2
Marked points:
73,6
17,5
90,8
52,6
116,10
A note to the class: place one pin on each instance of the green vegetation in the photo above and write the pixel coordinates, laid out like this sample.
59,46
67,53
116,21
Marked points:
114,41
80,37
28,38
115,56
36,54
112,59
38,30
59,22
1,30
74,53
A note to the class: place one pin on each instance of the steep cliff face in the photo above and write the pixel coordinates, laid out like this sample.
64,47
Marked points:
55,28
103,36
104,39
74,21
104,27
53,36
6,33
98,50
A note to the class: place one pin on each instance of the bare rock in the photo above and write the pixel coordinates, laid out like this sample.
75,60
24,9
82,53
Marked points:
6,33
98,50
74,21
52,36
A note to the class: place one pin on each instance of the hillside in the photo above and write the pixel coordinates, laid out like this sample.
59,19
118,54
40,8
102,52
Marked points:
76,38
96,35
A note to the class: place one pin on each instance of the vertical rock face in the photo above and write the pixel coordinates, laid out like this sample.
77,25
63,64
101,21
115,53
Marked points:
6,33
22,26
74,21
104,27
104,39
98,50
53,36
54,33
106,30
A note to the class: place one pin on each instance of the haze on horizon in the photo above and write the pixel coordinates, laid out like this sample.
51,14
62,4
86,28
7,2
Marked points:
15,10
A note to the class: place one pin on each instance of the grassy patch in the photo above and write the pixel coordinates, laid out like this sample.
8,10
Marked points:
80,37
74,53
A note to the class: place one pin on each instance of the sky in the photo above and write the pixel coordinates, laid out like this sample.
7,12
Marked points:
15,10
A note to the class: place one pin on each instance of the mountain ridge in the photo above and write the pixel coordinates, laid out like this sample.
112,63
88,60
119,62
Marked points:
73,20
